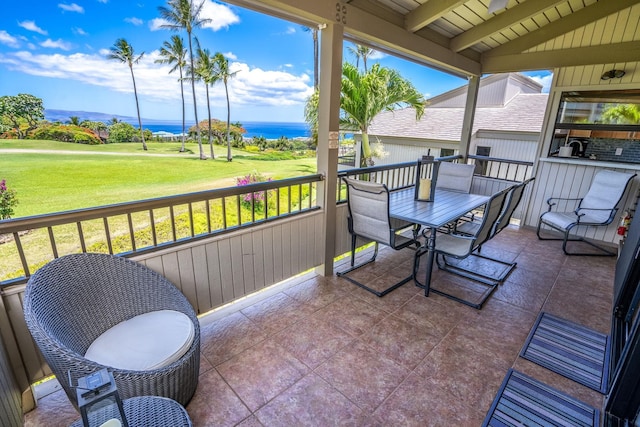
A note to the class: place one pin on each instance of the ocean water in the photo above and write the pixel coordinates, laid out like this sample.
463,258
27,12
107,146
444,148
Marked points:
269,130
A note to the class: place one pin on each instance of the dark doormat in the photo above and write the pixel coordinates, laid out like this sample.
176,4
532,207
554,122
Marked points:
523,401
571,350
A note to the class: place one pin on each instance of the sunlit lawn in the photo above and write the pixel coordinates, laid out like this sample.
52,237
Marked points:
53,182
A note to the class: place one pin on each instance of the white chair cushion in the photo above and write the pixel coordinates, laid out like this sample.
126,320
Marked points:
145,342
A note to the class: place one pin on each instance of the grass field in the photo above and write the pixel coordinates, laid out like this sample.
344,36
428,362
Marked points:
51,176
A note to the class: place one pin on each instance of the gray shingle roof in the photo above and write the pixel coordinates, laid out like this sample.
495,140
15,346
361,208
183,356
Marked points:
523,113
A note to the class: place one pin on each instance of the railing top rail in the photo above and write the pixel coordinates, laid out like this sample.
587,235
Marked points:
498,159
59,218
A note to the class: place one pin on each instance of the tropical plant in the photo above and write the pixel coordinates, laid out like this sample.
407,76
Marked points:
21,112
74,120
366,94
184,14
257,199
219,130
8,200
622,114
311,116
65,133
223,73
122,51
123,132
205,71
361,52
173,52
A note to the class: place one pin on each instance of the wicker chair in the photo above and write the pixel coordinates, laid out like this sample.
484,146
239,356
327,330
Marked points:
73,299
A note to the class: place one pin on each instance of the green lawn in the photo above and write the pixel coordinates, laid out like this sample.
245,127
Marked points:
51,182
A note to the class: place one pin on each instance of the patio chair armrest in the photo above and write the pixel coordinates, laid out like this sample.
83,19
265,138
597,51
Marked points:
580,215
551,203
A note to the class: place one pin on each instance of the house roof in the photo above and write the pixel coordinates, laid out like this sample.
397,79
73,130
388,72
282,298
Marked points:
522,112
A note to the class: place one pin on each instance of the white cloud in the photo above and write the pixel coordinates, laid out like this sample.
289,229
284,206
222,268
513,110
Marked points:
230,55
73,7
376,55
288,65
290,30
133,20
221,15
32,46
31,26
56,44
8,39
103,1
104,52
157,23
249,87
79,31
544,80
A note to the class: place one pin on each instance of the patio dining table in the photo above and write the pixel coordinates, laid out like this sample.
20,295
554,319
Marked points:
447,206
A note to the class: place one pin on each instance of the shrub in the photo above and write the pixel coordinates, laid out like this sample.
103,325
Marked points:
257,197
65,133
8,200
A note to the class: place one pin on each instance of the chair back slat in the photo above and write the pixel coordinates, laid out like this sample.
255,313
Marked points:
455,176
368,204
511,203
606,190
491,213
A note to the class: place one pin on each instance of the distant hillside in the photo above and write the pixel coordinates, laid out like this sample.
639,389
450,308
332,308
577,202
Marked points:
63,116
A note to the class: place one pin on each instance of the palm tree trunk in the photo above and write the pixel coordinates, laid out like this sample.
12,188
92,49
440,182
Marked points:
226,90
195,107
366,150
315,58
182,148
135,93
209,114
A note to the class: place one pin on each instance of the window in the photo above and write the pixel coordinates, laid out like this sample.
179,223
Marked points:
619,110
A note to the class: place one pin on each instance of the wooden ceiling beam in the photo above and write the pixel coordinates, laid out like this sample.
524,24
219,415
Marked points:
603,54
500,22
578,19
428,12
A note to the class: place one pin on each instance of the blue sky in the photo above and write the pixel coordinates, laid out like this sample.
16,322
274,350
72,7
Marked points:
56,50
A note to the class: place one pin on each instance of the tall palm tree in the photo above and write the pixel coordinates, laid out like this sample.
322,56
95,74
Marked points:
224,74
366,94
314,34
122,51
361,52
174,52
185,15
205,71
74,120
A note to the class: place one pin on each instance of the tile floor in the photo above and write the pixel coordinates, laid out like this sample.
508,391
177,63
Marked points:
325,352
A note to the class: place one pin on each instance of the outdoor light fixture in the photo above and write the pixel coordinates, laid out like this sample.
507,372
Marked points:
612,74
97,392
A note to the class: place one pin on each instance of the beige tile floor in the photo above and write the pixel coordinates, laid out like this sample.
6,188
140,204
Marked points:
325,352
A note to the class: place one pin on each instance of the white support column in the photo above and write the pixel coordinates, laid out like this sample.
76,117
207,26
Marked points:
469,113
331,40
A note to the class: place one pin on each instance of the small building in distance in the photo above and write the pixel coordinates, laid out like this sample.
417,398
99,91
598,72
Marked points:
509,115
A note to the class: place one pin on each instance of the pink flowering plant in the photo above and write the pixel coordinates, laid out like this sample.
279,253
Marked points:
258,197
8,200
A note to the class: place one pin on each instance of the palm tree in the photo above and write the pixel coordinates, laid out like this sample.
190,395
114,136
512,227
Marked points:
184,14
74,120
223,73
314,34
361,52
366,94
173,52
205,71
122,51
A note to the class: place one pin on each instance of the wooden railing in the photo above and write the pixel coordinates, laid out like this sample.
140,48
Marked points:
138,227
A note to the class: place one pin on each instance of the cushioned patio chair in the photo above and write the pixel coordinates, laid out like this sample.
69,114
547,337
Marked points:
460,246
369,219
73,300
596,209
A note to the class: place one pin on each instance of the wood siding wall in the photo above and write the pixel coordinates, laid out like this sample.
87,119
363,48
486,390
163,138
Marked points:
10,395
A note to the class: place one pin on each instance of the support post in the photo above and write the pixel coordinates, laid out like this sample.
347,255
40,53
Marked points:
331,39
469,113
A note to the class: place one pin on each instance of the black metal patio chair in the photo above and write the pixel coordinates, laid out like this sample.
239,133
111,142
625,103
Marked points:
369,219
